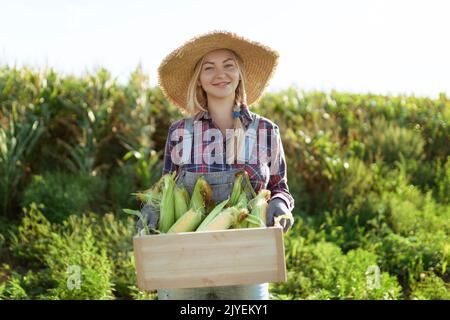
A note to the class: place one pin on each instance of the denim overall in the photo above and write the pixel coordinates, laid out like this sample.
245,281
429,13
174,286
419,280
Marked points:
221,184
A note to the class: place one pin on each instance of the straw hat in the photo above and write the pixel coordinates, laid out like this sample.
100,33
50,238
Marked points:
177,69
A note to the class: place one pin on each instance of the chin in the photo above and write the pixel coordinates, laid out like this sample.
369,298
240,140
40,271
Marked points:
221,95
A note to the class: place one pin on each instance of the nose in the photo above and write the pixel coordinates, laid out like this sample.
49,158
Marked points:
221,74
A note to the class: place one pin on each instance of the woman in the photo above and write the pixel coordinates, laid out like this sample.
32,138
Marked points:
214,78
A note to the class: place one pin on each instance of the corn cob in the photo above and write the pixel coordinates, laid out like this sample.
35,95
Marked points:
167,207
258,209
212,214
201,196
237,189
152,195
248,186
189,221
181,201
242,203
226,219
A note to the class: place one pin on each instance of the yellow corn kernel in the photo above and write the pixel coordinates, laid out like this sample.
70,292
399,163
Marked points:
167,208
226,219
188,222
217,209
181,201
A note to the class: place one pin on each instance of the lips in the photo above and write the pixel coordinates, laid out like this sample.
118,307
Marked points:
222,84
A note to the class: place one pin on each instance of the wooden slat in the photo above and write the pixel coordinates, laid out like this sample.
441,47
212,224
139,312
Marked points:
213,258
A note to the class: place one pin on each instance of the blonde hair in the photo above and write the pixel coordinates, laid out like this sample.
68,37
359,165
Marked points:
197,101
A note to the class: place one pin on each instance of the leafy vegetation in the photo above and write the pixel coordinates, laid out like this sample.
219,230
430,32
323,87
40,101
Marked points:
370,175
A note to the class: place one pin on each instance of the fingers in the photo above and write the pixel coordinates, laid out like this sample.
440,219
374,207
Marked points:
284,223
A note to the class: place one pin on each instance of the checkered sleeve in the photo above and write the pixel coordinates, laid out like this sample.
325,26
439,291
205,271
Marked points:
278,172
169,165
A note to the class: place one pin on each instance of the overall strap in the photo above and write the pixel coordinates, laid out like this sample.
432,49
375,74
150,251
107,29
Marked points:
251,137
188,138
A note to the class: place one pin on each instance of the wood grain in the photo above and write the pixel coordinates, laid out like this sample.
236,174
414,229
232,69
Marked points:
212,258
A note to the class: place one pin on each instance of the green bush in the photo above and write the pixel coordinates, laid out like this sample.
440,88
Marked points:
443,182
64,193
80,269
430,287
120,186
388,141
369,174
100,248
408,257
322,271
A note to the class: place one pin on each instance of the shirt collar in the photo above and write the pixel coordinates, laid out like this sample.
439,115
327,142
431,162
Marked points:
246,115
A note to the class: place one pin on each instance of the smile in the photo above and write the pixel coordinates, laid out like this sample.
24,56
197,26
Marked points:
221,85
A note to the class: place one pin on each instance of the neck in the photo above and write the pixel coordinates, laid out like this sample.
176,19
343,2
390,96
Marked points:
221,110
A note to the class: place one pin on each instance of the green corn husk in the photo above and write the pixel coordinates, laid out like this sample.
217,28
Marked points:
242,203
226,219
152,195
201,196
137,213
167,206
217,209
258,209
181,202
248,186
237,189
188,222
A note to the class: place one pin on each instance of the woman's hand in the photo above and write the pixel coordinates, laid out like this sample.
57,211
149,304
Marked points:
152,216
278,214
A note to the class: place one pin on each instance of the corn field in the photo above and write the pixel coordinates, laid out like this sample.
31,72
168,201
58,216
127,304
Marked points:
370,175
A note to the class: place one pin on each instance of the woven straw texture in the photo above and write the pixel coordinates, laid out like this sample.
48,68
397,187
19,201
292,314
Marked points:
177,69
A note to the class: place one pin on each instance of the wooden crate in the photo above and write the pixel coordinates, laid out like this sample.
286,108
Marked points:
210,258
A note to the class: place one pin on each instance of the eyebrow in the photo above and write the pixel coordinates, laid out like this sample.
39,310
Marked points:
222,61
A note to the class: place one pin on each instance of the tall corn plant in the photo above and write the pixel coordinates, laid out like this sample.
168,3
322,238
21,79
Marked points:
17,141
95,115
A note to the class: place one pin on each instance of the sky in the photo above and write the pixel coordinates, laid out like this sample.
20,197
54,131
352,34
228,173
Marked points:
366,46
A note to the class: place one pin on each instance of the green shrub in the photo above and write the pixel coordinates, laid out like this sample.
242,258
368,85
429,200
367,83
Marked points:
80,269
12,290
31,242
63,193
430,287
388,141
100,247
27,286
408,257
120,186
322,271
443,182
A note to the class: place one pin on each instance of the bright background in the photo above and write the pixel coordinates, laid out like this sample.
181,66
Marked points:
386,47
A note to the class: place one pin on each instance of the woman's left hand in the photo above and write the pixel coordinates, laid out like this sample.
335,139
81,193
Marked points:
278,214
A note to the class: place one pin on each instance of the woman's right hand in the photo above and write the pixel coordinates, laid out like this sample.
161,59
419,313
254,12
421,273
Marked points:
151,213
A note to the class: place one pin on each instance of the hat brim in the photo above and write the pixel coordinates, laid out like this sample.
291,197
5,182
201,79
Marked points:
176,70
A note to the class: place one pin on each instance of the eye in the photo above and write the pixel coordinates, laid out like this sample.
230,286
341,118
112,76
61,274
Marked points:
229,65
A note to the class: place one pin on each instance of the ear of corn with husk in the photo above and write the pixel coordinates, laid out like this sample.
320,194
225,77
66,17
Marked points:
226,219
201,196
178,213
217,209
167,206
188,222
258,209
242,203
152,195
237,189
181,201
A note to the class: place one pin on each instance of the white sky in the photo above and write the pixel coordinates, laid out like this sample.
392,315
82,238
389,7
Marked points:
387,47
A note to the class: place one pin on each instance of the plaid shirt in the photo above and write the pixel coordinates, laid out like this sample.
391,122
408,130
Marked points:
261,176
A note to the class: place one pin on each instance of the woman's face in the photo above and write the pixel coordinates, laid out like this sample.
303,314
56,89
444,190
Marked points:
219,75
